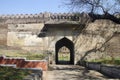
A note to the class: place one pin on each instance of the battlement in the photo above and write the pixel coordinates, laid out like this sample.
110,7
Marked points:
42,17
22,16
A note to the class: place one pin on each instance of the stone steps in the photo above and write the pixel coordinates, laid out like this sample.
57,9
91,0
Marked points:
64,67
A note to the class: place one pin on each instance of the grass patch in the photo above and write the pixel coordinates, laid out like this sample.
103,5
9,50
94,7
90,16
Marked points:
9,73
115,61
23,54
36,56
63,57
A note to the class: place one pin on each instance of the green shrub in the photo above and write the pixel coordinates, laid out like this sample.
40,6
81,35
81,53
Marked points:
8,73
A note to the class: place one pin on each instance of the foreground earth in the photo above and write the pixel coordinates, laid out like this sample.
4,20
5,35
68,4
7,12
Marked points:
71,72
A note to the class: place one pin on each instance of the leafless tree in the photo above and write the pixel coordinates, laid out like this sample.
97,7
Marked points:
98,48
97,9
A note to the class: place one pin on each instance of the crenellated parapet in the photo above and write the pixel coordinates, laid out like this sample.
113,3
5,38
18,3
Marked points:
42,17
22,16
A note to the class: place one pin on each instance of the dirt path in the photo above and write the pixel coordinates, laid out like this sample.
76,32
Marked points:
71,72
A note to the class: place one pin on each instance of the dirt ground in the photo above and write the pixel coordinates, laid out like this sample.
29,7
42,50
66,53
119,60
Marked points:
71,72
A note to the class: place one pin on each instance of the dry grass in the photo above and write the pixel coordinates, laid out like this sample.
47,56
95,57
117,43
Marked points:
22,54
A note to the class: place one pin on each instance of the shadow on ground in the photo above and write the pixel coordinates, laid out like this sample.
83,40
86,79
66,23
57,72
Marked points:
72,72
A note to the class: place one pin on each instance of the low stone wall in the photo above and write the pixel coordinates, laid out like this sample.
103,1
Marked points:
94,66
110,71
36,74
23,63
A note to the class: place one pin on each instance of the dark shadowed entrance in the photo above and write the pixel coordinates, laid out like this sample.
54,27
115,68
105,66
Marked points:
64,42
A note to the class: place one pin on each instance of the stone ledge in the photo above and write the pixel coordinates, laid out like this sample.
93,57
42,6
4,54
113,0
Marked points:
110,71
36,74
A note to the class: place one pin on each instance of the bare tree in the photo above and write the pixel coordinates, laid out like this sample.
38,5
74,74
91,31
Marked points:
98,48
108,8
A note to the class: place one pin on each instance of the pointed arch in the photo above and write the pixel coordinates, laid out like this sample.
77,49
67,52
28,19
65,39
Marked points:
67,43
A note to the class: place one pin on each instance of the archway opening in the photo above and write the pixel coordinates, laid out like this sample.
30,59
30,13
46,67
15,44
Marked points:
64,51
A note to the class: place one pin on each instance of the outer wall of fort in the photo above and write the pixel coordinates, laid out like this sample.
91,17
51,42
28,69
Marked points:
41,32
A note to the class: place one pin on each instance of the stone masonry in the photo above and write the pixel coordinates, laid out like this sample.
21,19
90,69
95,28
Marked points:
40,32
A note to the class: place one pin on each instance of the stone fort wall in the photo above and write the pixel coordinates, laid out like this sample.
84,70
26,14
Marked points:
3,34
100,39
23,31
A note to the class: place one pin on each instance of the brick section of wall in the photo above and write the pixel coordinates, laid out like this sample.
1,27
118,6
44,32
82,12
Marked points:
23,63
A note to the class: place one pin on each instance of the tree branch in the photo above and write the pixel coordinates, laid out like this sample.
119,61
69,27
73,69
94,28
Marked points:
105,16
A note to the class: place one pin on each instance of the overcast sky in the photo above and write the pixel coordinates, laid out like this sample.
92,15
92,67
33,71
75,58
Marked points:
31,6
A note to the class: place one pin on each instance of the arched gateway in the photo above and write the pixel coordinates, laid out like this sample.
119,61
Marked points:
64,42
